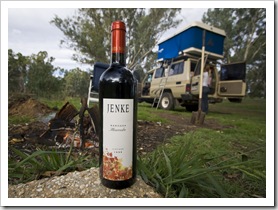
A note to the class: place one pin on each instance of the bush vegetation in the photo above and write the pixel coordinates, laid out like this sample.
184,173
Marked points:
203,163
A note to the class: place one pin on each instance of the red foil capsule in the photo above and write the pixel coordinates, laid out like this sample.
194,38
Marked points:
118,37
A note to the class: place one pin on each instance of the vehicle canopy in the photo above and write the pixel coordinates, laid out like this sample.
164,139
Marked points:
189,40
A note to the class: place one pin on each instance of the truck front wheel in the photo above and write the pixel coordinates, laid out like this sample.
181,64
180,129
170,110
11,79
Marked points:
167,101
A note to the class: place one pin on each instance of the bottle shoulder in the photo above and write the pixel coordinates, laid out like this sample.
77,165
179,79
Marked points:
117,72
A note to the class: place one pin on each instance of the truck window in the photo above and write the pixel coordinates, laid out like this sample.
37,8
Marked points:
176,68
192,68
197,68
147,85
149,78
159,73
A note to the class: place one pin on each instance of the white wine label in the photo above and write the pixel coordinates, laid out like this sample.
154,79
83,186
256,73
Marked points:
117,138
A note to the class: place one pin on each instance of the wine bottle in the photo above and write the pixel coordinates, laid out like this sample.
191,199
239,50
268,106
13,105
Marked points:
118,116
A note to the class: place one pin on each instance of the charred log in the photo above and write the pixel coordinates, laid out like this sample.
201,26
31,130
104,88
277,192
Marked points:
67,112
64,131
58,124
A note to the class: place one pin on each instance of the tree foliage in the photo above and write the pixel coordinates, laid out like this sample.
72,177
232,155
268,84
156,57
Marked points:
41,81
88,33
35,74
76,83
17,72
245,41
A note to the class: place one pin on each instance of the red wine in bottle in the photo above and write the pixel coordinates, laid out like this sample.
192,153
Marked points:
118,117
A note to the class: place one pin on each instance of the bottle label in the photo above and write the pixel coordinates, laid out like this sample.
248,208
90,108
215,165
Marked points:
117,138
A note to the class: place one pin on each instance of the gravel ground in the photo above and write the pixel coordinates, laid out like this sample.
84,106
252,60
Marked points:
84,184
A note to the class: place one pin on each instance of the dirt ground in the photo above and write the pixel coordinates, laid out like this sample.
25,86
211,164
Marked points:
28,106
149,134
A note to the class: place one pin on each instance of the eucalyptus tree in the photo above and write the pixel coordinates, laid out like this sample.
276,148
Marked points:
88,33
17,72
245,41
41,81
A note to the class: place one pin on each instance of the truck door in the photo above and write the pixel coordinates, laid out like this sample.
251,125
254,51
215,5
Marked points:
176,80
232,80
195,80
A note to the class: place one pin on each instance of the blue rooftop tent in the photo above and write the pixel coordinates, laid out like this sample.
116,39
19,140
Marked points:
189,40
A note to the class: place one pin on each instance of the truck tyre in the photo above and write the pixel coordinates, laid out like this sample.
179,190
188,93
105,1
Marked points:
192,107
167,101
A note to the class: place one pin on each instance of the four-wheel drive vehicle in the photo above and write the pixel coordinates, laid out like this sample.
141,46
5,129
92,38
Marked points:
176,79
181,85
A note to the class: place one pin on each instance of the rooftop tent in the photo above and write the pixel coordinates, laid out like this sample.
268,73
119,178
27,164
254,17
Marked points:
189,40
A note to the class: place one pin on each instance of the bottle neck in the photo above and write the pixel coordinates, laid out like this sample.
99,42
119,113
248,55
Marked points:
118,39
118,58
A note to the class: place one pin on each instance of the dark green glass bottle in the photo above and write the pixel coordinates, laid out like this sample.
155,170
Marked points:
118,116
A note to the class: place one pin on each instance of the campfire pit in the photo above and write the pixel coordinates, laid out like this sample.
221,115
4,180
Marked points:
46,132
64,130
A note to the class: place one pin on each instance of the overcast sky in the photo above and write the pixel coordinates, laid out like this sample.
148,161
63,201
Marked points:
30,31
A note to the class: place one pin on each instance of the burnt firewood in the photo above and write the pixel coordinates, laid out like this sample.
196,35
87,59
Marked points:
57,124
47,138
61,123
63,131
67,112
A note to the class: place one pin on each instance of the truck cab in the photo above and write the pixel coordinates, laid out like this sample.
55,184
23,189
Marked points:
172,76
